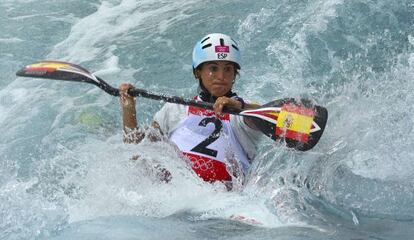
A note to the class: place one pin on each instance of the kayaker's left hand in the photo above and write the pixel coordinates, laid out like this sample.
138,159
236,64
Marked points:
221,102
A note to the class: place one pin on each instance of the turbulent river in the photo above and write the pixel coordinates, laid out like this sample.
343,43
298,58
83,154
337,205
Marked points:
66,174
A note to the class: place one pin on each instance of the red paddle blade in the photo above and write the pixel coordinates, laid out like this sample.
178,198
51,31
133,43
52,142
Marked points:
299,123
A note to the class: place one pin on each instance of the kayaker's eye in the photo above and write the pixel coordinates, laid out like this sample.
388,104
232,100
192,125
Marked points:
213,69
229,69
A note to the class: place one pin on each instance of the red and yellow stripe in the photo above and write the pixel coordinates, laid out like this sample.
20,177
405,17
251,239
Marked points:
46,66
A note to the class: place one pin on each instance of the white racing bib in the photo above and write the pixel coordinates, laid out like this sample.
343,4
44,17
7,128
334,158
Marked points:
210,144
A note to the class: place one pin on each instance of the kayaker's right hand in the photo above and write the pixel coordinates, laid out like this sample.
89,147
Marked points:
126,99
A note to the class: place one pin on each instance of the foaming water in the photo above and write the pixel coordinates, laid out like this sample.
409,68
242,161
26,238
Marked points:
65,172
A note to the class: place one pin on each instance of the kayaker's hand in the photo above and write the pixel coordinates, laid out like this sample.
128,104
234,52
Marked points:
221,102
126,99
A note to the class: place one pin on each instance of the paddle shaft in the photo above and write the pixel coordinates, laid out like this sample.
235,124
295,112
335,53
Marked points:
161,97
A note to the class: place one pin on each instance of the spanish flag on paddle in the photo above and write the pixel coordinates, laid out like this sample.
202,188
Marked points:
298,122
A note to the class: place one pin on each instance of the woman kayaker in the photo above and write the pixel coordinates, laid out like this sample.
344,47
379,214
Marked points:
219,146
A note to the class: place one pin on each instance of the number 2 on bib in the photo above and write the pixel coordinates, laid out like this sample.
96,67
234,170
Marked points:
202,147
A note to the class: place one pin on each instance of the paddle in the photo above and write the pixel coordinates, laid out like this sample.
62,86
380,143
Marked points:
298,122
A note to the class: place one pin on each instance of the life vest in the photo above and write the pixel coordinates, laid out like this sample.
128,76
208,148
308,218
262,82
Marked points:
210,144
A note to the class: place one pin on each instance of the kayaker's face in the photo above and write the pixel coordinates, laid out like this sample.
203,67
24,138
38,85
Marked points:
218,77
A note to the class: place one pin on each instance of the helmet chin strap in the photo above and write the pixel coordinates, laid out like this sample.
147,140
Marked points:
206,96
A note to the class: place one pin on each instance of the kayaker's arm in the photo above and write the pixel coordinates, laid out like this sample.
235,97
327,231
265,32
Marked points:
132,132
233,103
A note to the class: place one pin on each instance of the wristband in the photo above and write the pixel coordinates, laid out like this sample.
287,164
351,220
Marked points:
243,104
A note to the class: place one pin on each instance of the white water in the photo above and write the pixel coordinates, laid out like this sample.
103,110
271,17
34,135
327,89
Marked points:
63,175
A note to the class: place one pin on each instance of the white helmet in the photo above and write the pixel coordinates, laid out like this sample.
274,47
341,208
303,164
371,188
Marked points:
216,47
